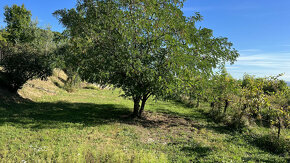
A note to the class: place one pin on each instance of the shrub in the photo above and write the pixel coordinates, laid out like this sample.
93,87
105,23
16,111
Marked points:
73,82
21,64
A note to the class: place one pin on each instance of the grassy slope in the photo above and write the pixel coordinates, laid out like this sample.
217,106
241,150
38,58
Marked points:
91,125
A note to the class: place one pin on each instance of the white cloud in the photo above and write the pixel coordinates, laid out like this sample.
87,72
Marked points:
252,58
250,50
267,64
197,9
231,67
266,60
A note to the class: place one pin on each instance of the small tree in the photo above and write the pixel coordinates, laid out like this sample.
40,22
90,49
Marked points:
279,111
256,98
224,88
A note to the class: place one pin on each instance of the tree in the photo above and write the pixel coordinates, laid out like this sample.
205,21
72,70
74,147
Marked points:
18,20
224,88
279,111
27,50
255,96
21,64
143,47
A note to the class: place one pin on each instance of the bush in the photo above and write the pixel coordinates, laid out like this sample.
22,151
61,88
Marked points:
73,82
21,64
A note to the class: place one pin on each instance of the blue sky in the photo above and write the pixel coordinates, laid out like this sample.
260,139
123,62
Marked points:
259,29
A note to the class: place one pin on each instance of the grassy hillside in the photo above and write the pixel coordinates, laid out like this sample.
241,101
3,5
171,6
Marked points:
92,125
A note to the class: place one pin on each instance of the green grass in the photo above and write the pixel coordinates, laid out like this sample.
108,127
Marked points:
91,126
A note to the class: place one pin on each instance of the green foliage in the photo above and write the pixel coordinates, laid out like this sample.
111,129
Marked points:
279,112
68,57
255,97
18,20
27,49
144,48
21,64
263,101
223,90
43,40
191,91
3,36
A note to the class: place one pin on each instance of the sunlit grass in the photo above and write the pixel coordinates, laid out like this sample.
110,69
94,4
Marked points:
91,126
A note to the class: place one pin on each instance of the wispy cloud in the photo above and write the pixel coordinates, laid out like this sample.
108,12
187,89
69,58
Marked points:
267,64
219,8
231,67
265,60
197,9
250,50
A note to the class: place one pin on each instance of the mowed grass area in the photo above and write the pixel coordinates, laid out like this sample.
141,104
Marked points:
93,126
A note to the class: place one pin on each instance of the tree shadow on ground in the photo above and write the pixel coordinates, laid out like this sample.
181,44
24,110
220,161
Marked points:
57,84
33,115
54,115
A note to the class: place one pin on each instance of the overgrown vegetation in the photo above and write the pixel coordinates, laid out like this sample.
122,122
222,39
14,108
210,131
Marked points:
250,101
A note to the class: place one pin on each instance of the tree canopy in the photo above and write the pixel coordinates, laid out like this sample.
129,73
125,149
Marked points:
18,20
142,47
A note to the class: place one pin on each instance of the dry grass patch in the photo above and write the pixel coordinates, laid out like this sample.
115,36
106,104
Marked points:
35,89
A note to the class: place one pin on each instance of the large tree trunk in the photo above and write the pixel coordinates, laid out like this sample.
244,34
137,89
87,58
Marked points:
136,106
